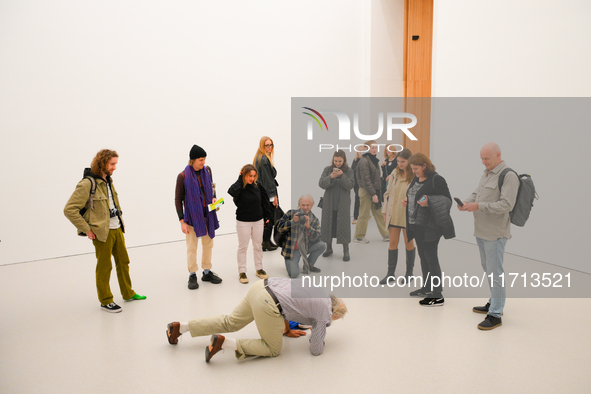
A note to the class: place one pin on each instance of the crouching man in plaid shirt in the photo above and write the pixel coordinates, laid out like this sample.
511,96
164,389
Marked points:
303,239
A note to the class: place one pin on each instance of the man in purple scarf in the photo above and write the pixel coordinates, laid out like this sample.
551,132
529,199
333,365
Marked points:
195,190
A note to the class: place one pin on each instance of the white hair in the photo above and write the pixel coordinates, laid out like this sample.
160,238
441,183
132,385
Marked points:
306,196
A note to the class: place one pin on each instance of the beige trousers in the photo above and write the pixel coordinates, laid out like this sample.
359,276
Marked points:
366,209
258,306
192,243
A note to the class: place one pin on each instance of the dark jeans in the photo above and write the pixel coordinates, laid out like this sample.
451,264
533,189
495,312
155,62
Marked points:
430,265
356,203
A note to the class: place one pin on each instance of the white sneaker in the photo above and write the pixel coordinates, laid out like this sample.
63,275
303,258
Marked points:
360,240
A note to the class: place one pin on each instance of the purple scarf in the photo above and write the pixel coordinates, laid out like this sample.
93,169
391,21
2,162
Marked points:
194,203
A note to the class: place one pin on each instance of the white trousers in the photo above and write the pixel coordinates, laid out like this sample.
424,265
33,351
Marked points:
247,231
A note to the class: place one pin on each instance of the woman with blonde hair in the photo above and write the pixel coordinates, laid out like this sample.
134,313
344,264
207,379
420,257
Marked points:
263,161
395,215
252,211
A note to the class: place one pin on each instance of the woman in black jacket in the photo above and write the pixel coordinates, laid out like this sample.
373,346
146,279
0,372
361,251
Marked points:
252,211
263,161
389,164
428,203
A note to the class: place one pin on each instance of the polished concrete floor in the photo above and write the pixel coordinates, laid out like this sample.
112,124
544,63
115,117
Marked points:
55,339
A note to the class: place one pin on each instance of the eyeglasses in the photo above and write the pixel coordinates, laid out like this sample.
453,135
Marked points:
268,145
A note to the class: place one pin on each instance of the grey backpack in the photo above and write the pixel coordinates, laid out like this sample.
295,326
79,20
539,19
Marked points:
525,197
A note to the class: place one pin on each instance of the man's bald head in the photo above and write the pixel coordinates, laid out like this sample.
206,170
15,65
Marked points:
490,155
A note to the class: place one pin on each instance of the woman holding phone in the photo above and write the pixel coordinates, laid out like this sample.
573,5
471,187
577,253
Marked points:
428,203
337,181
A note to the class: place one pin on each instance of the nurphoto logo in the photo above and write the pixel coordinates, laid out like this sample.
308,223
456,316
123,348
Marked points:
344,128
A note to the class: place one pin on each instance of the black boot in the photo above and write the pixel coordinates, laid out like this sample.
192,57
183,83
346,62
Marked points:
410,263
346,256
267,245
392,261
328,250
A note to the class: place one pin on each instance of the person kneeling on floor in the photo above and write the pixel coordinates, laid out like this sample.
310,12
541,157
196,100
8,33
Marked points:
303,238
271,303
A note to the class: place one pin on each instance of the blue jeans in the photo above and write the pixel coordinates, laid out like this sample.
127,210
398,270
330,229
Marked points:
491,257
292,265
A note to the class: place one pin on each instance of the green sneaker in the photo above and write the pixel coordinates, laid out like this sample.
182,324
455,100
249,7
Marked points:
137,297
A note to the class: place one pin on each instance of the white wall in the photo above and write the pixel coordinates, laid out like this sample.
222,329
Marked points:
520,49
385,48
150,79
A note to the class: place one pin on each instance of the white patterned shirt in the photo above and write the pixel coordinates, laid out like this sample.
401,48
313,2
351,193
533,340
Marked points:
310,306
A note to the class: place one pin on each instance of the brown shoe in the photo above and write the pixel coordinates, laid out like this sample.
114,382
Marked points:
216,345
173,332
262,274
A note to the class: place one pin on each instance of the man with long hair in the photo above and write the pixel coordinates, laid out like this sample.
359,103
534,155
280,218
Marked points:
95,211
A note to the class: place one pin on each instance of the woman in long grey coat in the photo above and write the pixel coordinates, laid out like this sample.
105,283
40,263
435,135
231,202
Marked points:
337,180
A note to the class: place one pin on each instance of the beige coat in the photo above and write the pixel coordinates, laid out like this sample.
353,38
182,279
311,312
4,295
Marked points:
395,193
96,219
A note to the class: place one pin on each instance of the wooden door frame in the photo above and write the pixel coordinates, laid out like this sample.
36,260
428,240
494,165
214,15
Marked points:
417,69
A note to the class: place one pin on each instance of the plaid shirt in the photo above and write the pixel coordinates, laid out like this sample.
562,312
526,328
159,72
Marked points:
286,223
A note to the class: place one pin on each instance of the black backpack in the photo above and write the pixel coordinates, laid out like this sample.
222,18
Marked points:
90,203
525,197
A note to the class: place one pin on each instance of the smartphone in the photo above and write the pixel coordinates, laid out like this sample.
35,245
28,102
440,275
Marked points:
460,203
422,199
335,169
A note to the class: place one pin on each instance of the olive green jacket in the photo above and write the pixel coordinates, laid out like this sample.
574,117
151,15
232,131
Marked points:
96,219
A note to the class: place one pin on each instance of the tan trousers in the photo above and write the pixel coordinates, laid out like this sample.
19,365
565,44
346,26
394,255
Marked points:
366,209
258,306
114,245
192,243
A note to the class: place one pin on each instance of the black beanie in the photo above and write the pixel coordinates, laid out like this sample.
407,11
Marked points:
197,152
